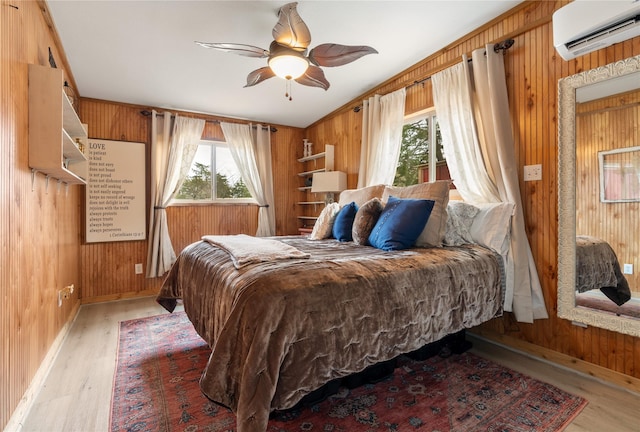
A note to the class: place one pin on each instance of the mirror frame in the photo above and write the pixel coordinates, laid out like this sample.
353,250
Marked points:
567,199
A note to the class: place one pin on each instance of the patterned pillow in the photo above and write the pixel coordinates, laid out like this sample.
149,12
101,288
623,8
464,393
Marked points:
365,220
324,224
438,191
459,223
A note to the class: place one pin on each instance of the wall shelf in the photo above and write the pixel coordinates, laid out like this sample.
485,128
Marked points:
312,157
57,138
310,173
309,205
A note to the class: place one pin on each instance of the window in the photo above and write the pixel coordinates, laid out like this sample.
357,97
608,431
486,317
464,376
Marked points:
201,186
421,138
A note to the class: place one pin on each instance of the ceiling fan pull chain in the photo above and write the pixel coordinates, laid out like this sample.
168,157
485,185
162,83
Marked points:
287,89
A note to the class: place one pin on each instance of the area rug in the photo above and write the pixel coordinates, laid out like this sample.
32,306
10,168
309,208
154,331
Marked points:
161,358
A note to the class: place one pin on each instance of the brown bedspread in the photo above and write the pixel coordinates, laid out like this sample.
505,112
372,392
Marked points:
279,330
597,267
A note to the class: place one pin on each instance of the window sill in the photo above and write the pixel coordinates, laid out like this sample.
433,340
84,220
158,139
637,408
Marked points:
213,203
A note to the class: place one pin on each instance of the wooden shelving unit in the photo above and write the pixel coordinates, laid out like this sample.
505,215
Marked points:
309,207
56,135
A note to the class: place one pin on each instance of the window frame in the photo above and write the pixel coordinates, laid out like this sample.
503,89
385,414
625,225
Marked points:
431,114
176,202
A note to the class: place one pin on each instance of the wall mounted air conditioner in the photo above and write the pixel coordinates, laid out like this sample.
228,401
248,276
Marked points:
584,26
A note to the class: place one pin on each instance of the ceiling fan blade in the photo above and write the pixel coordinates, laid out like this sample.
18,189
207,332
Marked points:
290,30
240,49
259,75
337,55
313,77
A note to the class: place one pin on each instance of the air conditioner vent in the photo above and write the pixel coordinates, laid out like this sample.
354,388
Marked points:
603,34
583,26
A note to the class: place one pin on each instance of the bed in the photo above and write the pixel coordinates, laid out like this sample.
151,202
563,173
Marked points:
597,267
280,329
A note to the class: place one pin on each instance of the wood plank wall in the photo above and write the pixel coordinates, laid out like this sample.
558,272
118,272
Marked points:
39,238
109,267
608,124
41,233
533,69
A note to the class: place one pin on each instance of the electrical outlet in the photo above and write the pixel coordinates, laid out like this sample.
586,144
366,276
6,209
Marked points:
138,268
627,269
532,172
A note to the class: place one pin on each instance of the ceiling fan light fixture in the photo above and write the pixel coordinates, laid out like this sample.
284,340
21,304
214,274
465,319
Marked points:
287,54
288,65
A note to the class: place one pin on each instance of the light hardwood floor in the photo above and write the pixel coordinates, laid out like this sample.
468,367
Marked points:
76,395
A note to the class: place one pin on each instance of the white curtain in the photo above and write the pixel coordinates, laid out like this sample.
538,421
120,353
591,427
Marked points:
452,99
251,150
173,146
382,122
473,112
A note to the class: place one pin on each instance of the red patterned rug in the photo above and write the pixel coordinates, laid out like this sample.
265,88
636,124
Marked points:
160,360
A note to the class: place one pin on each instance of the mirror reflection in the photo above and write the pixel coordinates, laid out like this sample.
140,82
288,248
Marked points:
607,194
599,197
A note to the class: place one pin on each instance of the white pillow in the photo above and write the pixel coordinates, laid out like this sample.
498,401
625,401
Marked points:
491,227
324,224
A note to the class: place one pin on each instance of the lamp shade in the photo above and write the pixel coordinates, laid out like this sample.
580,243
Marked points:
288,66
330,181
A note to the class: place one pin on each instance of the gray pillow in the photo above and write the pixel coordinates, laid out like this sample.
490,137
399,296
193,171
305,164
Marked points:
365,220
459,221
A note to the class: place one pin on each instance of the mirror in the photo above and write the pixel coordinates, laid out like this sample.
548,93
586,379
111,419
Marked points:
578,94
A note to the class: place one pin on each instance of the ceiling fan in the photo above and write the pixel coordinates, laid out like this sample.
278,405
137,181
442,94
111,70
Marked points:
287,54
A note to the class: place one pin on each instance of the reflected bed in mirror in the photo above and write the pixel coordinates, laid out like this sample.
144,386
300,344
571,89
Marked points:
599,111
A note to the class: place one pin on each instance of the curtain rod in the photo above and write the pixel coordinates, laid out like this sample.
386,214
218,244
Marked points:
500,46
147,113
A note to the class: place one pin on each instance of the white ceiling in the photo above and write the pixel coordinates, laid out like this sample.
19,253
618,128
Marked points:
143,52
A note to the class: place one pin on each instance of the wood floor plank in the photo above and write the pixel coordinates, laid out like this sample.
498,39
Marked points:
76,395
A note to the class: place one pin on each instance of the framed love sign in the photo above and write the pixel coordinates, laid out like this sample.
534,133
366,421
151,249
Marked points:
115,191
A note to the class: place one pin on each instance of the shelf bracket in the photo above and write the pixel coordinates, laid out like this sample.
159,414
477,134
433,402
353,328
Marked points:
46,187
66,187
33,178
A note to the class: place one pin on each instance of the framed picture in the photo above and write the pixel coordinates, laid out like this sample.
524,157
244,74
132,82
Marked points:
115,200
620,175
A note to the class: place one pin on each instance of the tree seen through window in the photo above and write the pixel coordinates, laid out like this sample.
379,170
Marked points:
417,137
227,184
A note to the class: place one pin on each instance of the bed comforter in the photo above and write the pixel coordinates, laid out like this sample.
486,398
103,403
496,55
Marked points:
279,330
597,267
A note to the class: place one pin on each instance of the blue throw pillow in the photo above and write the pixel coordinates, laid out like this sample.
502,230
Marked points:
344,222
400,223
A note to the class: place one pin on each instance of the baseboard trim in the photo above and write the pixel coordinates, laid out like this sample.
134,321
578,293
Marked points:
121,296
602,374
20,413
